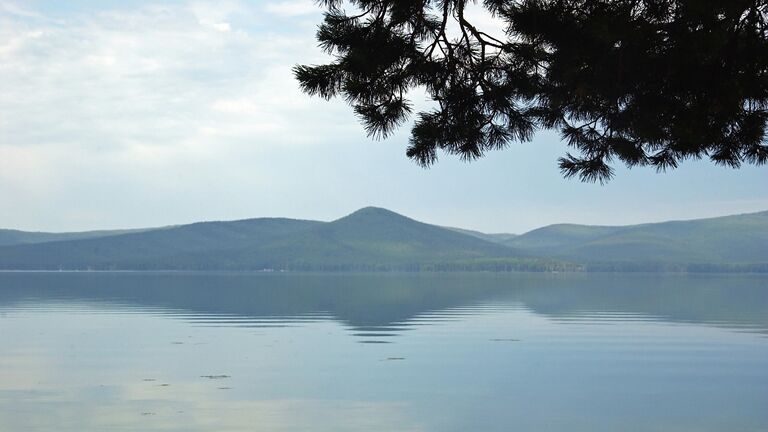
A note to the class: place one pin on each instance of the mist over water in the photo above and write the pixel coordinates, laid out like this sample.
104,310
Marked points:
423,352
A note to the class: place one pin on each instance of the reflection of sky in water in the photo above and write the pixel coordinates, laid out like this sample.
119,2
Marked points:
463,352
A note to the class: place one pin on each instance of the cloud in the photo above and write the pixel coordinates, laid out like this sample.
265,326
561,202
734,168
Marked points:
292,8
13,8
155,75
97,101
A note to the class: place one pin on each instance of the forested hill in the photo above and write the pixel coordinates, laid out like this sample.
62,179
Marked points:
369,239
717,243
12,237
380,240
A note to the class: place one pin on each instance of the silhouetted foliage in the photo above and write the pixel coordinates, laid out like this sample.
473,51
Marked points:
645,82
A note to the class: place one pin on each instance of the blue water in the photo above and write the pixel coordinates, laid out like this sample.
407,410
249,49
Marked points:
383,352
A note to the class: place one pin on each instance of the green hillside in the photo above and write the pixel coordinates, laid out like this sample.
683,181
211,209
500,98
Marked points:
13,237
149,249
381,237
369,239
732,240
491,237
378,239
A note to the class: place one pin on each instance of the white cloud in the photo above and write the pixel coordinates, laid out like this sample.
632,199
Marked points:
293,8
109,100
156,75
14,8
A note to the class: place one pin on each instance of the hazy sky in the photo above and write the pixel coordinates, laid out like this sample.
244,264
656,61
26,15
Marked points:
140,113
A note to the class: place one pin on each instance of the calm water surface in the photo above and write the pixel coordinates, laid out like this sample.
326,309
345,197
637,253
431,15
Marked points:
446,352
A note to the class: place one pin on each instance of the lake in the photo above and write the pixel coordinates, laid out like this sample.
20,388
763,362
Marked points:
383,352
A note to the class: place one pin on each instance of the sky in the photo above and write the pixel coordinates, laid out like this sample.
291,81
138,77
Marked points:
149,113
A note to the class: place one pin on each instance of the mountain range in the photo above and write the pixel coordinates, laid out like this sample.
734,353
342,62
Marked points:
375,239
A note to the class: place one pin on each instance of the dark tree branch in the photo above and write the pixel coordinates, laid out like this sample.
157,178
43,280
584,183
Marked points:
647,82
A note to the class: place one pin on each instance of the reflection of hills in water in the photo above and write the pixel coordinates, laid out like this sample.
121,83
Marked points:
379,306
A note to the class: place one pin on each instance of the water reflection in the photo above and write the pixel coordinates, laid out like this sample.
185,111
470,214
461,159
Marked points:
384,306
445,352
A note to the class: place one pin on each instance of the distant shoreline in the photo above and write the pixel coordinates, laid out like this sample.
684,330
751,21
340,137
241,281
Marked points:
378,240
381,272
